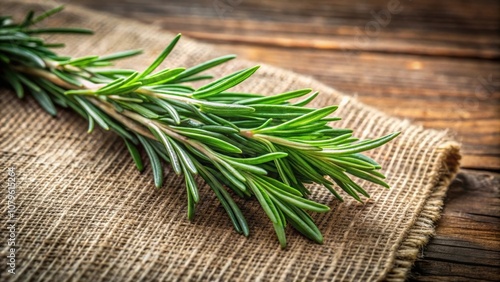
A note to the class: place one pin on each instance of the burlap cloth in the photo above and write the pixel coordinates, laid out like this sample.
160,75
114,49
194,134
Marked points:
85,214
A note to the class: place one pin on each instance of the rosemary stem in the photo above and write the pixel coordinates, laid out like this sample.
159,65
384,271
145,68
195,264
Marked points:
45,75
107,108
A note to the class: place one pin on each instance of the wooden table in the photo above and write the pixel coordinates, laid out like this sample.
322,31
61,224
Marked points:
434,62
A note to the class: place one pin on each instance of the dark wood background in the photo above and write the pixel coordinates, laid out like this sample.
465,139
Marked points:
434,62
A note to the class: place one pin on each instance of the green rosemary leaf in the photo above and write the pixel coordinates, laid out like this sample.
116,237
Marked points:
221,121
300,222
277,184
263,125
224,109
67,78
260,159
211,141
160,58
92,111
227,202
18,36
224,83
204,66
23,53
278,111
160,150
54,45
191,185
294,199
298,133
280,233
112,72
231,97
41,17
335,193
77,108
162,77
147,113
136,156
288,143
190,204
166,141
227,77
197,153
45,102
265,202
167,107
358,188
351,162
365,158
242,192
4,58
91,124
246,167
348,190
127,89
307,169
302,120
363,175
232,175
376,174
114,87
331,141
14,81
305,218
306,101
193,78
118,128
220,129
81,61
155,161
283,169
177,87
119,55
28,19
59,30
80,92
276,99
357,148
239,218
186,159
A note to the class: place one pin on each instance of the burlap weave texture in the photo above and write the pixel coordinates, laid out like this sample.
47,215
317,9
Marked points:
85,214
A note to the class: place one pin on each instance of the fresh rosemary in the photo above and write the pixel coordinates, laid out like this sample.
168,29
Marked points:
265,147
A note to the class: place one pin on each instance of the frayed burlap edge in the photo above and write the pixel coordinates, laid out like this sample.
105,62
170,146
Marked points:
424,227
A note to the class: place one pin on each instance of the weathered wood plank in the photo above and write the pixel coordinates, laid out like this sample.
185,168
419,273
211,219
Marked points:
467,245
416,27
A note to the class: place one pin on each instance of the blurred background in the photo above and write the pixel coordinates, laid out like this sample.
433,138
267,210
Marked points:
433,62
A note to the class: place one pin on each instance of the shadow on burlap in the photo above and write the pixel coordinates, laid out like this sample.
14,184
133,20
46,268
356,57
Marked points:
85,214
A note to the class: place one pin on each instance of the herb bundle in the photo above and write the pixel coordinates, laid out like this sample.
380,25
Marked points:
241,144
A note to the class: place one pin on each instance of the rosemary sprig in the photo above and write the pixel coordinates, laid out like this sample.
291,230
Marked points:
253,145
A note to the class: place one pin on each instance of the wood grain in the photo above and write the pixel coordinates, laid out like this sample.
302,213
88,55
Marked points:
434,62
467,245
